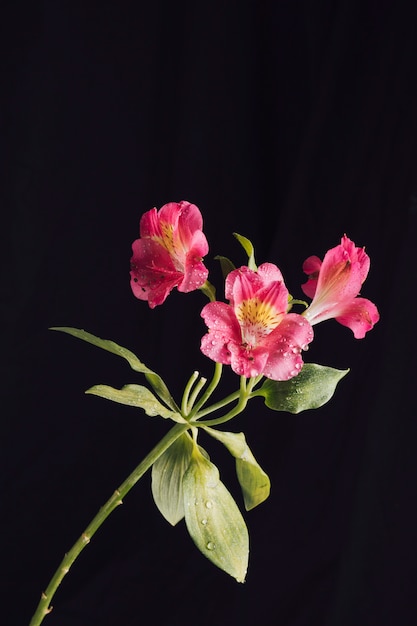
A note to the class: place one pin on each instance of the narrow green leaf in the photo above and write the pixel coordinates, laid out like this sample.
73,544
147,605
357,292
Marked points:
249,249
226,265
313,387
154,379
167,474
253,480
136,395
213,518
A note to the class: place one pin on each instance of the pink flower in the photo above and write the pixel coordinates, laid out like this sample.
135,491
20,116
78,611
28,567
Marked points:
254,333
334,285
169,252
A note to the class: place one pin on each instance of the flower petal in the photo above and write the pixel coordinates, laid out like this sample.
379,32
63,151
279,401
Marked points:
153,274
311,267
360,316
247,362
285,344
223,329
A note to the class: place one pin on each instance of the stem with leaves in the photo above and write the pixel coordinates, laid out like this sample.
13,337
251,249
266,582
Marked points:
191,414
44,606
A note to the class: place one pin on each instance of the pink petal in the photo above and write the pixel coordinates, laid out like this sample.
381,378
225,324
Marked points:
247,362
270,273
190,219
195,275
242,284
357,255
149,224
153,274
285,344
311,267
224,328
219,316
170,213
360,316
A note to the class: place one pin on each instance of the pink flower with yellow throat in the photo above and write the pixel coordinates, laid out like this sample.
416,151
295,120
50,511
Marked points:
169,252
254,334
334,285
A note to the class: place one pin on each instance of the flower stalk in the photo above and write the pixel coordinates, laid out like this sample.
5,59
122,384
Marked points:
44,606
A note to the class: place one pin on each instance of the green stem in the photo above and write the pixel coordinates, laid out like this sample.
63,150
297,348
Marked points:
193,397
44,606
212,386
244,395
186,394
217,405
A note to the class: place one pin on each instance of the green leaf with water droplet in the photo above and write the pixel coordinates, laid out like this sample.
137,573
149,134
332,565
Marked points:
253,480
310,389
213,518
154,379
138,396
249,249
167,475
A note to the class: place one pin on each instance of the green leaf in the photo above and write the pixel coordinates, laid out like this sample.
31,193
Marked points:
154,379
136,395
167,474
249,249
313,387
226,265
213,518
253,480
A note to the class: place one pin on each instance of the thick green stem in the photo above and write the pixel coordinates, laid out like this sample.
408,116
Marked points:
44,606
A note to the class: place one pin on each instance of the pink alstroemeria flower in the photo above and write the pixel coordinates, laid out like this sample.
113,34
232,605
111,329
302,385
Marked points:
254,333
169,252
334,285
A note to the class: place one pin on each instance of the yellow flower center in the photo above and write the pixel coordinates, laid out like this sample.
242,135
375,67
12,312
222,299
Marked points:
257,319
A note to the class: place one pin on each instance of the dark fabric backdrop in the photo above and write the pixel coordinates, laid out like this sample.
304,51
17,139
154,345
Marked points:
288,122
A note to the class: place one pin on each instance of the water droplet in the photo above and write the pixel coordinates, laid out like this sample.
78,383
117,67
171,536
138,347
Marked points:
209,504
204,522
210,545
285,354
295,350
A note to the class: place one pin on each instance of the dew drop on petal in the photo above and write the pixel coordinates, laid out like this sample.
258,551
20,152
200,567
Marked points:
209,504
210,545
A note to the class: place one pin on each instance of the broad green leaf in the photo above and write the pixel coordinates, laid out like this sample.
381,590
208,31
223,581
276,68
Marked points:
225,264
313,387
249,249
154,379
253,480
136,395
213,518
167,474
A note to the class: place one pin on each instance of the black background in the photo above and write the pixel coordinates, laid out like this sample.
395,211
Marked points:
288,122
